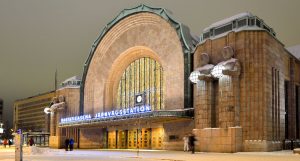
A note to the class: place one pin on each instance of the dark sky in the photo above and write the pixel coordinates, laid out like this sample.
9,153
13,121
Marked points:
39,36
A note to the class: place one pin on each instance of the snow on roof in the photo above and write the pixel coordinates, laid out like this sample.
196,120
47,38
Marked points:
74,78
229,19
295,50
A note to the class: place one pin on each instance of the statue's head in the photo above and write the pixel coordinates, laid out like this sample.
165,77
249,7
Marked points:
227,52
55,100
204,59
61,98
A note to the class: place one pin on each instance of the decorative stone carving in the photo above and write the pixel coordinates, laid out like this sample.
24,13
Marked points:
203,108
58,104
204,71
230,66
228,72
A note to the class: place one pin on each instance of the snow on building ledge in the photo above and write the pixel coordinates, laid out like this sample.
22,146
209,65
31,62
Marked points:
242,21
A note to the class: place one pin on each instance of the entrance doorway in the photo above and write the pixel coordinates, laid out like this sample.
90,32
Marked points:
145,138
112,140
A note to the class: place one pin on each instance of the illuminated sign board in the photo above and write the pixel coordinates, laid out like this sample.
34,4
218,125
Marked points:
1,130
110,114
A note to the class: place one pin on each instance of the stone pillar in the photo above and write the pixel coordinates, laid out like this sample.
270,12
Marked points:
204,111
53,121
229,101
58,117
56,139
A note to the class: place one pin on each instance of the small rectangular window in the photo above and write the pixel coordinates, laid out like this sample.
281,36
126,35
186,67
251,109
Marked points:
257,22
223,29
173,137
234,24
251,22
206,35
242,23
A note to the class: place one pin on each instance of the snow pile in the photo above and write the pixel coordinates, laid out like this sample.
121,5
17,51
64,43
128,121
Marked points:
33,150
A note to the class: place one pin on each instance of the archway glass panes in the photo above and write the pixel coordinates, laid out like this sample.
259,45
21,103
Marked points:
144,77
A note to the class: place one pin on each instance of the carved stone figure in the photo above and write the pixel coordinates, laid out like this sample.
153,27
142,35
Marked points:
58,104
202,77
227,72
230,66
204,71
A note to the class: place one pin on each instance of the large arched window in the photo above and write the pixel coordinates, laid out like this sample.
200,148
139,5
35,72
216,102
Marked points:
142,78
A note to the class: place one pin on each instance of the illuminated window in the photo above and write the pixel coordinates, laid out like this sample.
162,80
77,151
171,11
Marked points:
143,76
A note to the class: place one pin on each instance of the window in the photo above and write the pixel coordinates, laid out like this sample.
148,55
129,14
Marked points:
242,22
143,76
257,22
173,137
223,29
206,35
251,22
275,104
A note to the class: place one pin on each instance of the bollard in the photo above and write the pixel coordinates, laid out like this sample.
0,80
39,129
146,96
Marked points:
18,149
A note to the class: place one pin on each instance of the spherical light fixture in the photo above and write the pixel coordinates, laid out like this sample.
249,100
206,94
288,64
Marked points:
194,76
47,110
217,72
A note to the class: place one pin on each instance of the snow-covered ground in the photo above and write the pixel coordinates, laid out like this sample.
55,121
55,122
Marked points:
146,155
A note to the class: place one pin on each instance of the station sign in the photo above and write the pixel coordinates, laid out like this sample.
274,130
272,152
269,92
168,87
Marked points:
109,114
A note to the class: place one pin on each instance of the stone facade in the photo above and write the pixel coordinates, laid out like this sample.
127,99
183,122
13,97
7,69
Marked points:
245,93
59,135
121,46
265,66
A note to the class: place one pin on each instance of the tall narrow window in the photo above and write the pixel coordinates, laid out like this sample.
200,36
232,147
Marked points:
286,95
275,105
297,113
143,77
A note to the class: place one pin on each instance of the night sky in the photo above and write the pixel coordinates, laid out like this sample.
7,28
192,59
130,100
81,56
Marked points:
39,36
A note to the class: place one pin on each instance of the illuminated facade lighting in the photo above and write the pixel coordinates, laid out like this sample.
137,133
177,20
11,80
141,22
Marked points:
194,76
217,72
47,110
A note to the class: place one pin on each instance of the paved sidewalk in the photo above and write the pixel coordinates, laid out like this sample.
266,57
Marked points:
147,155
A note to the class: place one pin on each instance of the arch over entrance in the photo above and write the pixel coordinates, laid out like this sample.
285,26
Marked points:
143,31
136,71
